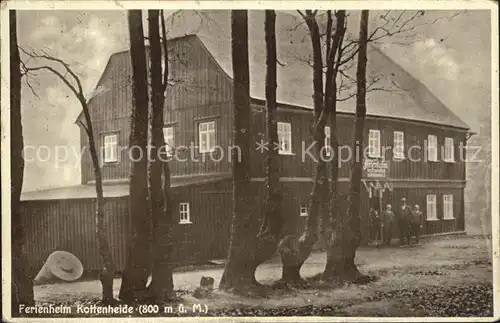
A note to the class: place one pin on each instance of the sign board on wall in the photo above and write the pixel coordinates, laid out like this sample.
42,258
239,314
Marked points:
375,168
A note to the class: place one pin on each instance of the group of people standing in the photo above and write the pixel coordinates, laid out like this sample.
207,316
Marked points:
408,220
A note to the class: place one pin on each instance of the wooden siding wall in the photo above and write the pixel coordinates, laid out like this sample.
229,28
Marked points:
197,80
296,194
110,171
70,225
418,196
198,91
188,159
207,237
201,92
296,165
110,111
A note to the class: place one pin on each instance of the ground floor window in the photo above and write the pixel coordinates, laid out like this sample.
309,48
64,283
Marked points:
303,210
448,207
184,213
431,207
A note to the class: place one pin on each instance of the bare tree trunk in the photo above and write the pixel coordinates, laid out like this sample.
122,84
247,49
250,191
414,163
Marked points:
106,270
294,252
272,223
334,45
334,224
22,284
167,194
162,283
138,264
239,273
247,252
340,262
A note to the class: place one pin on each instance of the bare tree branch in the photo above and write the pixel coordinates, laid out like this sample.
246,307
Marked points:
30,86
406,25
64,64
399,18
77,91
329,27
57,73
165,51
26,74
84,126
280,63
343,73
399,86
302,14
369,88
388,28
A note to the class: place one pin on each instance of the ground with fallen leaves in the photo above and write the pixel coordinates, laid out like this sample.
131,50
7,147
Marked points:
447,276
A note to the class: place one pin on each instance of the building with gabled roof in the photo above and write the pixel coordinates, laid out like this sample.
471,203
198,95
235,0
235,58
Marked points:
402,114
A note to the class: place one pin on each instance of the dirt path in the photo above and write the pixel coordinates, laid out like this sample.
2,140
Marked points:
446,268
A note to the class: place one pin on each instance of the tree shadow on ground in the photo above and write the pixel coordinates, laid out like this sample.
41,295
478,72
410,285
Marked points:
316,282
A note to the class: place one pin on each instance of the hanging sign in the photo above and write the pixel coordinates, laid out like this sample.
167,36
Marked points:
375,168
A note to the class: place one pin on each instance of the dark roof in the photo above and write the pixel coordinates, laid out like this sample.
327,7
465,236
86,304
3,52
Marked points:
403,96
87,191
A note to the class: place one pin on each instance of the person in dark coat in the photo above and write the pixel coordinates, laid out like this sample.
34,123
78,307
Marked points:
388,222
416,223
375,225
404,215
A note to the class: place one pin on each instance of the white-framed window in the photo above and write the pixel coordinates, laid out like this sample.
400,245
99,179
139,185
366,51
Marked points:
285,137
449,150
206,136
432,148
448,206
374,143
431,207
110,148
328,141
399,145
303,210
184,215
168,137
